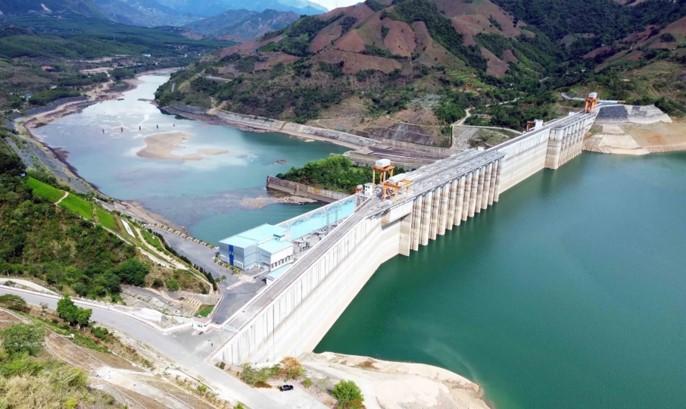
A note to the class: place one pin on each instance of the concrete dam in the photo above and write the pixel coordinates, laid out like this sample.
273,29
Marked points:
292,314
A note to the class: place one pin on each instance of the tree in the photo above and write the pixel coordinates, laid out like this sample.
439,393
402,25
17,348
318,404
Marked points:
132,272
348,395
83,316
22,338
68,311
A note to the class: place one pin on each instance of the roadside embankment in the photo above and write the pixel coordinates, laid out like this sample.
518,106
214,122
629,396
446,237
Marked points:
301,190
400,385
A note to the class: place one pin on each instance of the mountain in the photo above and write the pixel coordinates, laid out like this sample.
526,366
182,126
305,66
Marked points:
209,8
400,70
406,69
242,25
48,7
148,13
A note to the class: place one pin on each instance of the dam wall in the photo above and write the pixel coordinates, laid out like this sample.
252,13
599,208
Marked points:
292,315
271,327
555,144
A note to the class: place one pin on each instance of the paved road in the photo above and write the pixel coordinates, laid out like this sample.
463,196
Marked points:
199,254
227,386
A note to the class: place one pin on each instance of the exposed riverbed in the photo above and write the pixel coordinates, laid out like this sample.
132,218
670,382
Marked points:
569,293
206,178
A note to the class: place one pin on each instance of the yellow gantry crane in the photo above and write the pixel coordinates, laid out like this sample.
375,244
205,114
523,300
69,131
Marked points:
385,169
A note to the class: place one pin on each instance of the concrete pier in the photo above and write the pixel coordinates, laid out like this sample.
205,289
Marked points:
292,315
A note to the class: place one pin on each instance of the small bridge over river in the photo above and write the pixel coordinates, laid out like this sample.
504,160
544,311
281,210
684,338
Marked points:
292,315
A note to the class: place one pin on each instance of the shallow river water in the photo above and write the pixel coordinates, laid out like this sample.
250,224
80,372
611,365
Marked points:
569,293
212,197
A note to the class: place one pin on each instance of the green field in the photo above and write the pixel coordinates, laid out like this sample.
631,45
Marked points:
78,205
106,219
44,190
152,240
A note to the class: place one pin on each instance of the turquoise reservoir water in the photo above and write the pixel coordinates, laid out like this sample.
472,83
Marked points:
213,197
570,293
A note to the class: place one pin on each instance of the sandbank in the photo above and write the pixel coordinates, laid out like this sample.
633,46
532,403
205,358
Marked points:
162,146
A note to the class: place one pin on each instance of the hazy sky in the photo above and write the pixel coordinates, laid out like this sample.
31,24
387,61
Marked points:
332,4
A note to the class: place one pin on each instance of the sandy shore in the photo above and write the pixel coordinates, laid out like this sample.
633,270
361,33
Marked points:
396,385
637,139
162,146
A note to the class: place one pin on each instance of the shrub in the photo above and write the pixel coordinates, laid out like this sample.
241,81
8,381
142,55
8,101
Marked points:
291,368
22,338
258,377
100,333
14,302
348,395
172,284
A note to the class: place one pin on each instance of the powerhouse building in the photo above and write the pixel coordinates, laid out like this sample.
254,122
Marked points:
262,246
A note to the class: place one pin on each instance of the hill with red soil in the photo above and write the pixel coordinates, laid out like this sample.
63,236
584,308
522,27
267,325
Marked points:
407,69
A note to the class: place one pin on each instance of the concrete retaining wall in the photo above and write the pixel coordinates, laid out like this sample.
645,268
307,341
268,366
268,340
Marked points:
302,190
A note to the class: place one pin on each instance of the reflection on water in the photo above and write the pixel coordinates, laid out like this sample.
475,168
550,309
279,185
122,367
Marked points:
203,195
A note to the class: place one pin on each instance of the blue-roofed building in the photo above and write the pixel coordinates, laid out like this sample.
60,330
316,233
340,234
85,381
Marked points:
263,246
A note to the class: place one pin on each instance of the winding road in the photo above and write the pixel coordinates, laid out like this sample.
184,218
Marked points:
227,387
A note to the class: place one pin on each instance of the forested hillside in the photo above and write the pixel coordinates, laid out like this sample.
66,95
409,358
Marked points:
406,69
59,246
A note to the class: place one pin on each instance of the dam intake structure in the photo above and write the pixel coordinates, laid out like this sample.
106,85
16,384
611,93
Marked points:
292,314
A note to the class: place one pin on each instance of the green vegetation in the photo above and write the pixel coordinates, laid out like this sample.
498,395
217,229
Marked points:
204,310
22,339
78,205
288,369
13,302
452,106
441,29
106,219
40,240
599,22
153,240
75,316
291,369
334,173
348,395
296,38
44,190
258,377
79,37
31,378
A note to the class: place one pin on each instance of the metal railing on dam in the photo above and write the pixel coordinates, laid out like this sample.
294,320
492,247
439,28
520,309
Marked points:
292,315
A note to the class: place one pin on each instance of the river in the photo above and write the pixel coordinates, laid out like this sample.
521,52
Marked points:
213,194
569,293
